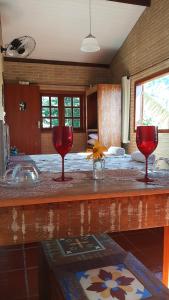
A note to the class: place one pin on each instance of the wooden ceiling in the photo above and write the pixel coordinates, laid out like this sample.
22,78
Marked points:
134,2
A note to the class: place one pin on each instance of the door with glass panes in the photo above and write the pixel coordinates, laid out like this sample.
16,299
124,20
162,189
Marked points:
62,109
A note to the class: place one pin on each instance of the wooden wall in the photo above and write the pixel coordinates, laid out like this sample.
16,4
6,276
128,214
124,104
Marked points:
145,51
58,78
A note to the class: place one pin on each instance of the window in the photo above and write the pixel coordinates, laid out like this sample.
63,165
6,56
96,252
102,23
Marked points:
50,111
152,102
62,109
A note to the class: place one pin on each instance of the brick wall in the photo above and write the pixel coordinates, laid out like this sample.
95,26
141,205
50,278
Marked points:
145,51
57,77
49,74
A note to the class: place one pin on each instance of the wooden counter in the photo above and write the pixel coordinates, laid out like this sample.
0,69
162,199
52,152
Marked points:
83,205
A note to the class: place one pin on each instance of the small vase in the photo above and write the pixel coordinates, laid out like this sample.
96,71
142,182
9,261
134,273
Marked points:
98,168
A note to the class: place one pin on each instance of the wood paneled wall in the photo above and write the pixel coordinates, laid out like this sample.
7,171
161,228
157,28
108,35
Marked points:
109,114
145,51
79,143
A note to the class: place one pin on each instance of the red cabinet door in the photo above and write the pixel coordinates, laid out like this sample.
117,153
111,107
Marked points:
22,107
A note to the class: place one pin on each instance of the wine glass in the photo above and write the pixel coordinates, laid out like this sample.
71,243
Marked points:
62,141
147,141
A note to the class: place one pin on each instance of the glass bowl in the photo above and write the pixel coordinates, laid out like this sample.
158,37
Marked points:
21,175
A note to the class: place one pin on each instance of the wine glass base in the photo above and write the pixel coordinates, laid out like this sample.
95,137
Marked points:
145,179
59,179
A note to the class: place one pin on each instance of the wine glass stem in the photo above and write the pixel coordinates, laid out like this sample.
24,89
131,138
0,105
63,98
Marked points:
146,175
63,178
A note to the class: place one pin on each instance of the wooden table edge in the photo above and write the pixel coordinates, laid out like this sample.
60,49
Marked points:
55,198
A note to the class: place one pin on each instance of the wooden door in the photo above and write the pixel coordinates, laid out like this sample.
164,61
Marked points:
22,106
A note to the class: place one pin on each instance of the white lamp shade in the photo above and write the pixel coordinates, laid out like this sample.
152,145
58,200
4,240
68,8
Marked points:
90,44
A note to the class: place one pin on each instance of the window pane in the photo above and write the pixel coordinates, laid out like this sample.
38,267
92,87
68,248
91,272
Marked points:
54,122
54,112
68,112
76,101
152,102
76,123
54,101
45,101
46,123
67,101
68,122
76,112
45,112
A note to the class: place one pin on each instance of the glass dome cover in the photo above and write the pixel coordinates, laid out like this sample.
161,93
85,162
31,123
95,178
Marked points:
21,175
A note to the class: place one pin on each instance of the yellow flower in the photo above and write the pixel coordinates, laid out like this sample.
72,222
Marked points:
97,151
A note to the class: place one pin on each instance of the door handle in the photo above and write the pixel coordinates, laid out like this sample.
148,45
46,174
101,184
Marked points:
39,124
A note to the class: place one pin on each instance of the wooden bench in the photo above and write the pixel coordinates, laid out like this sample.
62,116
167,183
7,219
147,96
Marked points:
94,267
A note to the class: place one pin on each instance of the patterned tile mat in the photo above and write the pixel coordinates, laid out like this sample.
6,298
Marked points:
112,282
79,245
97,246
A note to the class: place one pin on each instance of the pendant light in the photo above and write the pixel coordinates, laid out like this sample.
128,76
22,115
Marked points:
89,43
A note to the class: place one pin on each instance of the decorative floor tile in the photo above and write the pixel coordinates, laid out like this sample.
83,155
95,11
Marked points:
112,283
79,245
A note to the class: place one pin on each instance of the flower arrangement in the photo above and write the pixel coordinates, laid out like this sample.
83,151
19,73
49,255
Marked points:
97,151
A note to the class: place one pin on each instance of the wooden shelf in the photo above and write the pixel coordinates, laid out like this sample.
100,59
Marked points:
92,130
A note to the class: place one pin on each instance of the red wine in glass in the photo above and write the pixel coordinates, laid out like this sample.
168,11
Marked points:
62,141
147,141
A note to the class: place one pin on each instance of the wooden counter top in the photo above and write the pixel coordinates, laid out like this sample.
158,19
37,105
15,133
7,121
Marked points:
117,183
54,209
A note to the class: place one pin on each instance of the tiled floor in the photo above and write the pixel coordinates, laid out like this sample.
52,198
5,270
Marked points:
146,245
19,264
19,272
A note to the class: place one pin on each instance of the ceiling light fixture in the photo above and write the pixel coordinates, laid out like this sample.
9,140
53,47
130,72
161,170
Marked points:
89,43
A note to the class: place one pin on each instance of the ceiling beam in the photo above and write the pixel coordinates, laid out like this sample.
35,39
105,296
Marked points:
134,2
55,62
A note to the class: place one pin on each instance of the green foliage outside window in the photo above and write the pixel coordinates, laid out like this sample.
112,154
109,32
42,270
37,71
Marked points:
45,111
45,101
152,102
58,107
55,122
54,101
67,101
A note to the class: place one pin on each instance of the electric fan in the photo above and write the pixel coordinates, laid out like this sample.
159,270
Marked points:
20,47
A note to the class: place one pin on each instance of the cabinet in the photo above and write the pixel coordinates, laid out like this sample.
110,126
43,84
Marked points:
103,113
22,106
